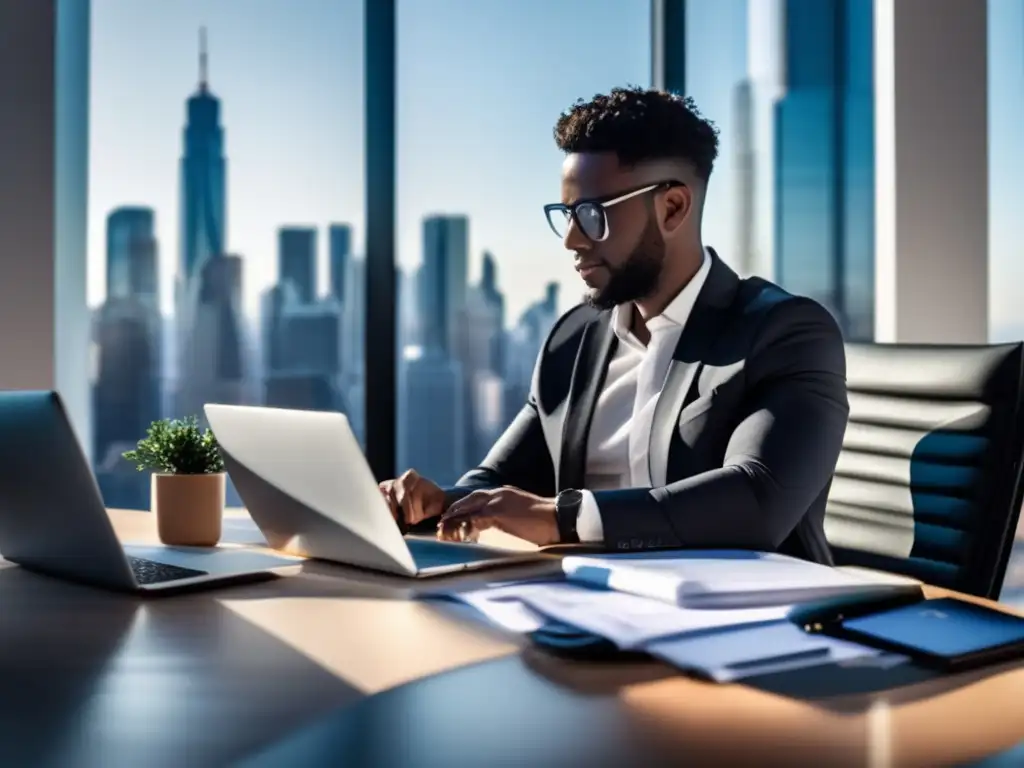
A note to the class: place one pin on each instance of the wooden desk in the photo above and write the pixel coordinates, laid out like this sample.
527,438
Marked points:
92,678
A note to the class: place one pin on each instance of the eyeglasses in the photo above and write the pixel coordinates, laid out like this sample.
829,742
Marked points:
591,216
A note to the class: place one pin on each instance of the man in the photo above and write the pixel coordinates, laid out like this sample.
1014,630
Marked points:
679,406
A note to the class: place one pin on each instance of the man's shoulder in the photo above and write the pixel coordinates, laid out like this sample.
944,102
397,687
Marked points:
761,301
786,329
568,329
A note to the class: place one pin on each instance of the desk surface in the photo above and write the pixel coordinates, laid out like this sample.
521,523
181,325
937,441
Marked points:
207,678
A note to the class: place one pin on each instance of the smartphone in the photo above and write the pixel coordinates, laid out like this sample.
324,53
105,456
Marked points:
946,633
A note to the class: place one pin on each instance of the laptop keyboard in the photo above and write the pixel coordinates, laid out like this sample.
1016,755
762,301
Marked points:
149,572
433,554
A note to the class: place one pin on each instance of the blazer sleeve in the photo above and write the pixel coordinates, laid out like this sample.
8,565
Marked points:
780,456
520,458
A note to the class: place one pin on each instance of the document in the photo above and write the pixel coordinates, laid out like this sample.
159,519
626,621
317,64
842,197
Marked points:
766,649
500,605
730,579
627,620
630,621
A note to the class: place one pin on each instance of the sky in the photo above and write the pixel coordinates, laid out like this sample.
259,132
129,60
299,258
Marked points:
480,85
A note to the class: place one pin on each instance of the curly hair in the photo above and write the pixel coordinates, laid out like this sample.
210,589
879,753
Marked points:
640,125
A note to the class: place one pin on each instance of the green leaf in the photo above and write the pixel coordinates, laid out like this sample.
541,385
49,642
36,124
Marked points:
179,447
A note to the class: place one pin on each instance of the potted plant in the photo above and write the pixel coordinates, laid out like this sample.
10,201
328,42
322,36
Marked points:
187,490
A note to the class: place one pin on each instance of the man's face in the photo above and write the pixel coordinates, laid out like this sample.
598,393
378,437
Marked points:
626,265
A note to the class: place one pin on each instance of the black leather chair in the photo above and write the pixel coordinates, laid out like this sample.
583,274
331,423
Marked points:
929,480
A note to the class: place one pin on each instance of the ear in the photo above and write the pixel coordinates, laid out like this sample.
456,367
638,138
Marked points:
675,206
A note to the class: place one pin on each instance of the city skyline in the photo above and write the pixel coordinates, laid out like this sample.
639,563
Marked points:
252,221
296,114
463,371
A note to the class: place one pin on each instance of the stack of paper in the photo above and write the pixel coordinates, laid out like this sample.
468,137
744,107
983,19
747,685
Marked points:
626,620
727,614
731,579
723,644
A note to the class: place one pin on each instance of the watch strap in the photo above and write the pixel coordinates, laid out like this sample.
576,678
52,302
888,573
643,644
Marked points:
567,512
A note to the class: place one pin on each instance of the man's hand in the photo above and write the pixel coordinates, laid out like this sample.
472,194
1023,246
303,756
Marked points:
511,510
412,498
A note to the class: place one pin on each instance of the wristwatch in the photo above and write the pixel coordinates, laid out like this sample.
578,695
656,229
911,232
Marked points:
567,510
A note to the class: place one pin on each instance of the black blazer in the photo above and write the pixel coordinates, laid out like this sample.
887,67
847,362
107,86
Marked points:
745,437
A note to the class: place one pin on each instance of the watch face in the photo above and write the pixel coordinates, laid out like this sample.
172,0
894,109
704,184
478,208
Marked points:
571,496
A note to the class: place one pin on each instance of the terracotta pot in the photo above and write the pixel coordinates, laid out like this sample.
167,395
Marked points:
189,509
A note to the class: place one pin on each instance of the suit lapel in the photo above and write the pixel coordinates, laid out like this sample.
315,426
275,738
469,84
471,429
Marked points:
709,314
588,377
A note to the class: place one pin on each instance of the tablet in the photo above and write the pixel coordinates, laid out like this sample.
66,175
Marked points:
946,633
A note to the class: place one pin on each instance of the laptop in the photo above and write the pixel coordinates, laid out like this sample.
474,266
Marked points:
303,477
53,519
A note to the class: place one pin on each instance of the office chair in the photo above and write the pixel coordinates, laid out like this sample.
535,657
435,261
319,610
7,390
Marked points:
928,483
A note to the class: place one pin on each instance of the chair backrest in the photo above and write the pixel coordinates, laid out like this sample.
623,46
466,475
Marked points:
928,483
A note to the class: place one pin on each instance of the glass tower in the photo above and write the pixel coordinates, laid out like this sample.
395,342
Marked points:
131,254
824,160
203,178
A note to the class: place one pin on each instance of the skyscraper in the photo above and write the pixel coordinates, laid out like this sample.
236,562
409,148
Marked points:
434,379
127,332
203,178
126,396
208,317
305,373
272,307
482,361
524,345
353,307
495,300
434,407
353,346
216,356
303,336
824,160
296,260
443,281
745,164
132,255
340,246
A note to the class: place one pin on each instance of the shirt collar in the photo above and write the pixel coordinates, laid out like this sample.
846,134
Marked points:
674,315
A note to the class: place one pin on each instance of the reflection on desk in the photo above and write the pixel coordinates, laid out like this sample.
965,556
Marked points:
205,677
538,711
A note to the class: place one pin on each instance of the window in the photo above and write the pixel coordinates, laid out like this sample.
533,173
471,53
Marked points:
480,86
1006,168
790,87
225,208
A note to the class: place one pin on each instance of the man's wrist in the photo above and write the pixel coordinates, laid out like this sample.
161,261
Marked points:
567,511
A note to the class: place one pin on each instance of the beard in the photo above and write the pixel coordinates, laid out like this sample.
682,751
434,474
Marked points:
637,277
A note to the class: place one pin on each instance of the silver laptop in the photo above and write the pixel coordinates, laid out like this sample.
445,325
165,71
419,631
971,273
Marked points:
306,484
53,520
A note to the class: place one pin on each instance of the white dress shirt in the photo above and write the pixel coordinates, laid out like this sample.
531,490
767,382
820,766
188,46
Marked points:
618,444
